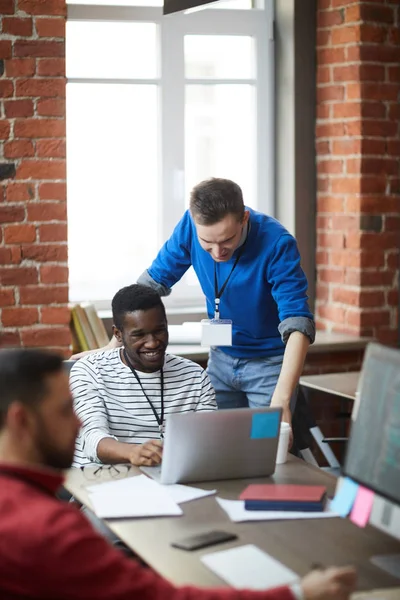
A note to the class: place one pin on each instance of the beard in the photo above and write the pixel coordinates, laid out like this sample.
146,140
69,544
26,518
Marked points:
52,454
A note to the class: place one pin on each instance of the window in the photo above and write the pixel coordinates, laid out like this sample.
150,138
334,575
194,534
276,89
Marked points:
154,105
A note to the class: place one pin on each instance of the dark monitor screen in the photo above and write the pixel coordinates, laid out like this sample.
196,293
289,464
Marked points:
171,6
373,452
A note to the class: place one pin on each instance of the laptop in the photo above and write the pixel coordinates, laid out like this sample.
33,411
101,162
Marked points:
221,444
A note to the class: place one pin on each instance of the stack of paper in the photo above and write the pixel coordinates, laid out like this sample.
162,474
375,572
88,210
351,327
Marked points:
291,497
140,497
236,511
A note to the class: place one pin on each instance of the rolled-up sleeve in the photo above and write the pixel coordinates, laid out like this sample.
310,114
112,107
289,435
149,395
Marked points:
90,408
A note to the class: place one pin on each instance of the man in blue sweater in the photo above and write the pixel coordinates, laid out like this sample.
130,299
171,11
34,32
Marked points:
248,266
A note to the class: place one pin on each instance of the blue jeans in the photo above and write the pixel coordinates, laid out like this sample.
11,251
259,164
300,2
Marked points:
242,382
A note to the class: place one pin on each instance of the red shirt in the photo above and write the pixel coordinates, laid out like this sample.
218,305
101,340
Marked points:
48,550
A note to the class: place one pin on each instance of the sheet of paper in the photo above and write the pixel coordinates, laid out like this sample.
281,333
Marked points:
344,498
132,497
249,567
236,512
362,507
179,493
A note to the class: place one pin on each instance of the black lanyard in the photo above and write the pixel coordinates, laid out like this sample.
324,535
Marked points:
218,293
160,420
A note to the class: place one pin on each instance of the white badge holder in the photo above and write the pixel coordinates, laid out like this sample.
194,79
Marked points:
216,332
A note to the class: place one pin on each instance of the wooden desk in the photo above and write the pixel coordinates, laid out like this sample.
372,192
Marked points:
337,384
297,544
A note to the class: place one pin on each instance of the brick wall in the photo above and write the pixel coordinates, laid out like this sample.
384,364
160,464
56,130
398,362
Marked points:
358,149
33,227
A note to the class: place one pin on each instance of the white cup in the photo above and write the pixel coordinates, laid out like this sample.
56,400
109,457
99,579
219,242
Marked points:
283,444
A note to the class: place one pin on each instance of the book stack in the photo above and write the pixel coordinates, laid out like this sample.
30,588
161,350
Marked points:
88,331
306,498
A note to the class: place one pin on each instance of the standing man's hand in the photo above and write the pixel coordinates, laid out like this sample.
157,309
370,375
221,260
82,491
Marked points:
335,583
148,454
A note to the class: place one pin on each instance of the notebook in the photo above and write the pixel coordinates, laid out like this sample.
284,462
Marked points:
284,497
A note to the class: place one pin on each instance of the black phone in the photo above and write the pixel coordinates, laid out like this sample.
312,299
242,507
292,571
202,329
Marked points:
202,540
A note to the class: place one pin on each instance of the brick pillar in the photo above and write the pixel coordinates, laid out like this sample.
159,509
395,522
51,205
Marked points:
33,221
358,156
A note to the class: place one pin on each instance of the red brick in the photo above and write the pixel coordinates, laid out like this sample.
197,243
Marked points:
41,169
17,26
43,7
20,67
328,18
9,339
372,33
332,313
377,14
372,73
345,35
373,184
375,318
394,36
375,166
392,223
346,296
6,88
322,258
39,48
376,278
39,128
394,74
392,260
5,49
346,258
324,111
4,130
51,67
353,13
323,37
11,214
330,55
371,146
46,252
44,294
40,87
46,337
7,297
324,4
390,337
50,148
18,276
352,146
327,204
380,91
330,166
10,255
19,317
346,185
53,232
47,211
20,192
373,204
53,315
53,191
331,275
329,130
393,298
18,108
375,53
323,148
347,73
345,110
51,108
375,110
375,128
7,7
52,28
18,149
53,274
18,234
330,240
330,92
323,75
323,184
322,292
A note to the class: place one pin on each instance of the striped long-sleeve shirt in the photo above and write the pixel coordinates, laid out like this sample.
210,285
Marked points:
110,402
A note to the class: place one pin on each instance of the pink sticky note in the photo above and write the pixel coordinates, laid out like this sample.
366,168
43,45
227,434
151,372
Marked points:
362,507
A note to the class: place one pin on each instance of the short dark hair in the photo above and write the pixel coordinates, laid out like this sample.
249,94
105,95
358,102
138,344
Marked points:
23,374
213,199
131,298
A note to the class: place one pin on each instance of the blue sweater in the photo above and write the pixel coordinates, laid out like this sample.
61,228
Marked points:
267,286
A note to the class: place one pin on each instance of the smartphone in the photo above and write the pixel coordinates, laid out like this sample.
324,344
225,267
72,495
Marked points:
202,540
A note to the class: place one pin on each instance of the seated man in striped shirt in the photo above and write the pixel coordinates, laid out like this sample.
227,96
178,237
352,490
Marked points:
123,395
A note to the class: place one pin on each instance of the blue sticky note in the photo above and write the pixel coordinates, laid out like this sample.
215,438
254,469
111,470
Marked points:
264,425
345,497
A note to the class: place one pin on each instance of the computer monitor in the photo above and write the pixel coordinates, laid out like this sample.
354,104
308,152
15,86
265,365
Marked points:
373,451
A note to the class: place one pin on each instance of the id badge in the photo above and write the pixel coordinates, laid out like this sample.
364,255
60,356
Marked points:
216,332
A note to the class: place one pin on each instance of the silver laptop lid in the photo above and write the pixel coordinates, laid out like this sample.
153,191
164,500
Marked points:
223,444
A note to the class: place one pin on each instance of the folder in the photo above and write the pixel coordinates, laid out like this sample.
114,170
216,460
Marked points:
284,497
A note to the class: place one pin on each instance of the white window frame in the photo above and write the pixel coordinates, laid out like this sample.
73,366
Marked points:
256,22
